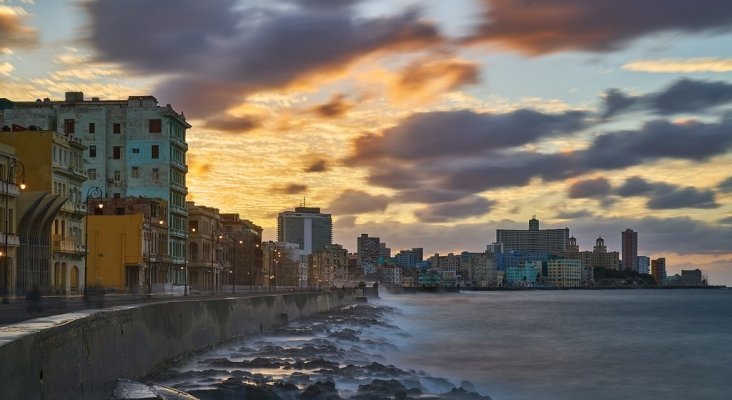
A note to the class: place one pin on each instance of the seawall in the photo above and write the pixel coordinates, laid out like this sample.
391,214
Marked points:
81,355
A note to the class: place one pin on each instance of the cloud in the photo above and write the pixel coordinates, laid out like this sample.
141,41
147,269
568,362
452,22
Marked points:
598,187
335,107
461,133
291,188
456,155
428,77
6,68
577,214
318,165
683,96
473,206
542,27
666,196
726,185
13,32
726,220
357,202
680,65
234,124
225,52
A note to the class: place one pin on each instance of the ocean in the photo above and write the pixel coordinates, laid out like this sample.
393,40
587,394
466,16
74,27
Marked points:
564,344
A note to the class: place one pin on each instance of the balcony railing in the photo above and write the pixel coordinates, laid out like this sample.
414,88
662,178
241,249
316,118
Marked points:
66,245
13,240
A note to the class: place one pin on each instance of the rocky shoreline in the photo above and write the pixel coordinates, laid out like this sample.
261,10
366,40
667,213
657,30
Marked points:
339,355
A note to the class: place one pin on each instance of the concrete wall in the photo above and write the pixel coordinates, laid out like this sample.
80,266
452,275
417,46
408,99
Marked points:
80,358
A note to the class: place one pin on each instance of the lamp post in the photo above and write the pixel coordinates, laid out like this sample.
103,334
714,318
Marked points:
233,267
93,192
149,253
15,170
215,241
185,263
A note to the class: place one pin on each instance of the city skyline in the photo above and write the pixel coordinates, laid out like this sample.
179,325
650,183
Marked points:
424,124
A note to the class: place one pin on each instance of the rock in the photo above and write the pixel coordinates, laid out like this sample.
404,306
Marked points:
234,389
385,389
320,391
467,385
462,394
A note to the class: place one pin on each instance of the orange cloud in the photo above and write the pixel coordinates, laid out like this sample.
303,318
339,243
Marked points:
12,30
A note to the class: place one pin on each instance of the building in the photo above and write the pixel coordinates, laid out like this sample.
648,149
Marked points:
368,250
523,275
599,257
644,264
205,247
116,256
629,241
282,264
53,164
158,272
658,270
328,266
692,277
9,167
391,274
307,227
564,273
384,253
551,241
134,148
408,258
243,249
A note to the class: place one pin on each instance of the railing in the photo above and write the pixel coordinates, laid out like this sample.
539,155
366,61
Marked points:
66,245
13,190
13,240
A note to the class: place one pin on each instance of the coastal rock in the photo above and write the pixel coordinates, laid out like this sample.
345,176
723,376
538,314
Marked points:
320,391
384,389
234,389
462,394
345,334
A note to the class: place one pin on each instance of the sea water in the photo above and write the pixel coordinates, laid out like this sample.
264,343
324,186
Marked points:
577,344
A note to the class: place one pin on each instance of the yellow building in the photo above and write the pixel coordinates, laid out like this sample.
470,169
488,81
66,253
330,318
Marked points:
54,173
116,257
564,273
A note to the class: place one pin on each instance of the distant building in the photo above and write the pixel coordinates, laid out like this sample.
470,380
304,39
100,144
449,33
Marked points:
692,277
384,253
479,269
306,226
408,258
552,241
205,247
658,270
599,257
644,264
630,250
564,273
391,274
328,266
450,262
282,264
523,275
368,250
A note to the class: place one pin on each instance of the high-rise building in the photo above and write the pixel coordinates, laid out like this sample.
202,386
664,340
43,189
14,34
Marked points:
134,148
644,264
658,270
599,257
552,241
368,251
630,250
307,227
408,258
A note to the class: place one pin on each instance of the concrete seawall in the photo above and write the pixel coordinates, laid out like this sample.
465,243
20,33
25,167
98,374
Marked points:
80,355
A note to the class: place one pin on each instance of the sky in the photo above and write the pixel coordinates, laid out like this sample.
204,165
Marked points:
426,123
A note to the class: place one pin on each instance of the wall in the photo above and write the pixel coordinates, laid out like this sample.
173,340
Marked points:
82,357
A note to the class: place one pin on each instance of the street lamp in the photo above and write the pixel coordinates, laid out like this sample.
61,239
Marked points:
213,255
233,268
149,253
93,192
16,170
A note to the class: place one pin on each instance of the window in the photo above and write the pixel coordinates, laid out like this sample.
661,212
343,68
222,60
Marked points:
156,173
68,126
117,176
92,151
155,151
92,174
155,126
92,128
116,128
135,172
117,152
135,151
117,196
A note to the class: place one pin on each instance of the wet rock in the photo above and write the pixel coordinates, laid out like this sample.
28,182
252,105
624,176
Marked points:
320,391
467,385
346,334
384,389
462,394
234,389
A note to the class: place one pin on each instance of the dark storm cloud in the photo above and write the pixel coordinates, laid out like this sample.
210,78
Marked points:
416,164
222,52
666,196
726,220
319,165
578,214
429,196
335,107
598,187
292,188
462,133
473,206
356,202
726,185
13,33
234,124
544,26
683,96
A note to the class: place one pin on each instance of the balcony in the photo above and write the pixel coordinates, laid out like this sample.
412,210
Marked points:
13,189
80,173
13,240
66,245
